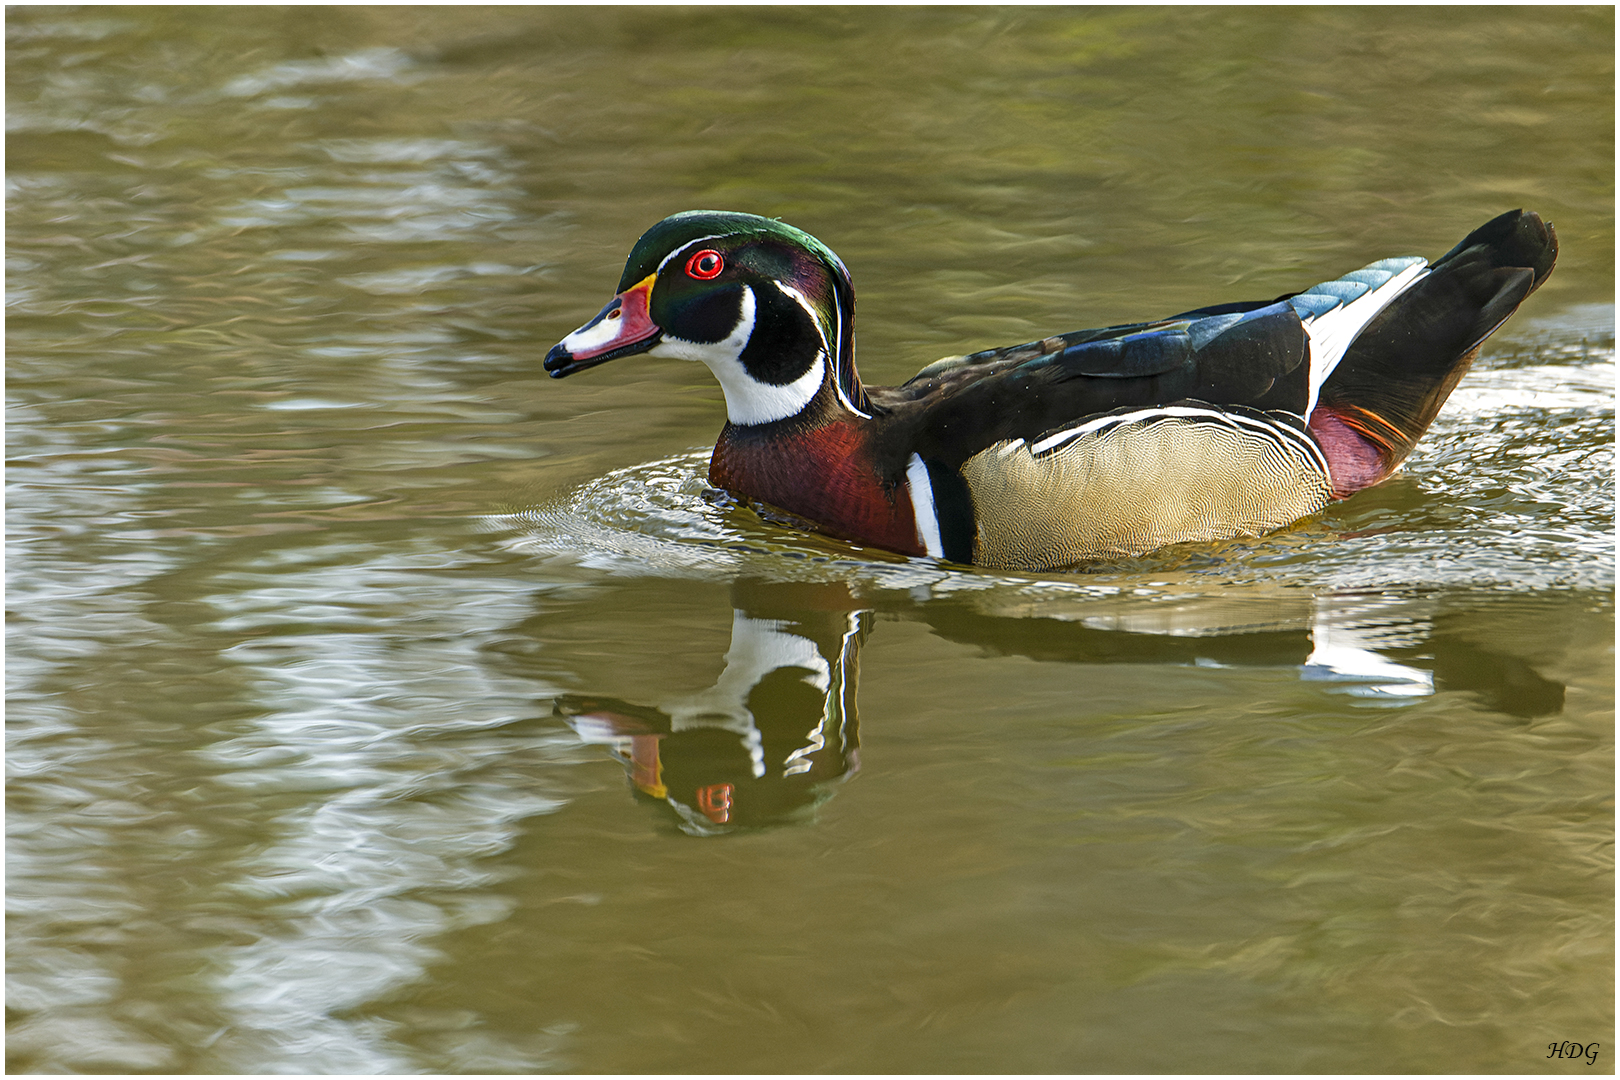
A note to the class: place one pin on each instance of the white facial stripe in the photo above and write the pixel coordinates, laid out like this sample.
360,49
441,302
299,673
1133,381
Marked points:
683,247
838,383
922,507
748,401
799,298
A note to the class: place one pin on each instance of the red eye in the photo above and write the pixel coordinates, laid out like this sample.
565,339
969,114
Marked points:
705,264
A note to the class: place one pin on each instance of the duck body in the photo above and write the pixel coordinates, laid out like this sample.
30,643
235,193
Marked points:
1225,421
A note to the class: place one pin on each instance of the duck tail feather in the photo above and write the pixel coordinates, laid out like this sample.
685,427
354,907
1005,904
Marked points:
1398,372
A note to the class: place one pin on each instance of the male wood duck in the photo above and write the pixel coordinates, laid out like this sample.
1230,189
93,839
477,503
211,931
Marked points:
1225,421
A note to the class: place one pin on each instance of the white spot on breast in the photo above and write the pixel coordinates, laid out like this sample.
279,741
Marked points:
922,507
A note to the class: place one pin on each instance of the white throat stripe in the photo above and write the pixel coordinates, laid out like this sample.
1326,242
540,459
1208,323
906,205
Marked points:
748,401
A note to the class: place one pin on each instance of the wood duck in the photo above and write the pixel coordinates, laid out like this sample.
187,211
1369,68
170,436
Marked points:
1225,421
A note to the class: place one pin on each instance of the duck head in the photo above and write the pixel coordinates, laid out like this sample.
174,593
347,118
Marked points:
769,308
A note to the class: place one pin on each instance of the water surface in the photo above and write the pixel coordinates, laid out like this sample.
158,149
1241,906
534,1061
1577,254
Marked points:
377,704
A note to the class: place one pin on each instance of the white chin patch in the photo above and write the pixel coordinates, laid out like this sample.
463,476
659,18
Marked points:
748,401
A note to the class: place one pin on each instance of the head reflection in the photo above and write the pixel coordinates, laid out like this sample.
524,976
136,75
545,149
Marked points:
775,734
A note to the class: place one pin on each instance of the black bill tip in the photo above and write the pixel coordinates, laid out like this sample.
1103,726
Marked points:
560,363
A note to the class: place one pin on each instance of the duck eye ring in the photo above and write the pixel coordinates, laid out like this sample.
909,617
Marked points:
705,265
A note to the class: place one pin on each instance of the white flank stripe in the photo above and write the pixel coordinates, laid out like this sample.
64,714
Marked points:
1275,429
1089,426
922,507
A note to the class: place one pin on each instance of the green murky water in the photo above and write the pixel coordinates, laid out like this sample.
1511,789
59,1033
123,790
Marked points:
378,705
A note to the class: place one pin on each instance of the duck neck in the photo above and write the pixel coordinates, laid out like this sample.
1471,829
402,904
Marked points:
785,355
823,468
819,405
846,381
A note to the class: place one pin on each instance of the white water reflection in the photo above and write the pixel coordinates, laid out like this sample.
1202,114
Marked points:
364,65
380,778
1346,633
393,805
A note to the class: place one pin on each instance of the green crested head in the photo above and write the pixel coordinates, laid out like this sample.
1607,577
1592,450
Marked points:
736,231
768,307
758,247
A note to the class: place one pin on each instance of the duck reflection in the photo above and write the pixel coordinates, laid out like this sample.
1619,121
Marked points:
1371,646
774,735
778,731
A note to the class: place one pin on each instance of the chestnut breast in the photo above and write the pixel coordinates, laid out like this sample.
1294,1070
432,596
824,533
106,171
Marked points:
825,474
